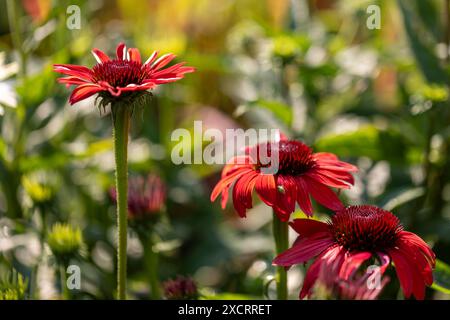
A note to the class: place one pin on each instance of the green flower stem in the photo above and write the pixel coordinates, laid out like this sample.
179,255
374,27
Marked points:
13,8
65,295
121,126
152,260
280,234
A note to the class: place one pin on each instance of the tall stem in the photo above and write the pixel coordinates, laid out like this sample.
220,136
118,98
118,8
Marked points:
152,260
280,234
121,125
16,34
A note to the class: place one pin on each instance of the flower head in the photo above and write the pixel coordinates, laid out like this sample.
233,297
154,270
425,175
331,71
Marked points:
180,288
301,173
357,235
120,78
146,196
65,241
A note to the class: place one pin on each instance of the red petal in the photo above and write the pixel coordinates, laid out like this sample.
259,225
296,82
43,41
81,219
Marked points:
121,51
329,179
308,227
323,194
134,55
303,197
421,245
322,261
415,254
163,61
285,202
99,55
84,91
138,87
310,278
151,58
74,70
325,156
304,250
351,263
385,260
227,181
242,193
408,274
336,165
266,188
72,80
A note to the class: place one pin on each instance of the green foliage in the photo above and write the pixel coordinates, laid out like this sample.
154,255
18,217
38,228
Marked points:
13,286
441,277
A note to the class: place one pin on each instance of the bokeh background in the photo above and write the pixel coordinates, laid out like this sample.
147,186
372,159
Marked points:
376,98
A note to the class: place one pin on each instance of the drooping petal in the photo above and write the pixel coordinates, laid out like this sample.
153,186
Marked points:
227,181
310,278
410,279
266,188
286,196
385,261
328,179
336,165
352,262
84,91
304,250
415,254
308,227
323,194
242,193
303,198
328,261
420,244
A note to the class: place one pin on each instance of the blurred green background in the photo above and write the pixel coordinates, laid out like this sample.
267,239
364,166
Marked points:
376,98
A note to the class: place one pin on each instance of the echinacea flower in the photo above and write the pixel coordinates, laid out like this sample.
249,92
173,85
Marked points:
301,174
121,77
180,288
366,286
357,235
146,196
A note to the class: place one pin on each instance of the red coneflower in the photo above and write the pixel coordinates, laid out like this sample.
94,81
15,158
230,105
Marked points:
357,235
146,196
114,78
180,288
301,174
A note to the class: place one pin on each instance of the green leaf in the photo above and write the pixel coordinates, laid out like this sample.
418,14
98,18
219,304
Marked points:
367,141
423,52
37,88
403,197
280,110
441,275
428,12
